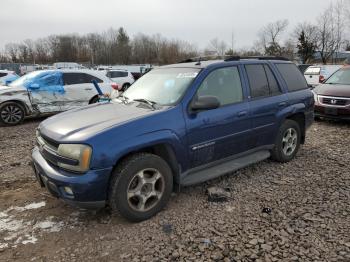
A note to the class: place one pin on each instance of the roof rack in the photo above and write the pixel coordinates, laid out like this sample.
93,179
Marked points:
228,58
237,58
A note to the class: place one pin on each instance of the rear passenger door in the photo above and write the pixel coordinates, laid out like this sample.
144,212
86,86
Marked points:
218,133
78,89
266,100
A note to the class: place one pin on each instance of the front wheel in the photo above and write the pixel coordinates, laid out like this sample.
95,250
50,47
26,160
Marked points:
11,113
287,142
141,186
125,87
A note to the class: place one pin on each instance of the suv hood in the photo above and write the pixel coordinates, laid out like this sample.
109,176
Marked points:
333,90
80,124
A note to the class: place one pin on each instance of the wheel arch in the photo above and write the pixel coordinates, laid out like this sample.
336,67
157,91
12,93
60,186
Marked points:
27,110
300,119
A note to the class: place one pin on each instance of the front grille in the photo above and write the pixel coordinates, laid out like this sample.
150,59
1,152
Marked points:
49,142
335,101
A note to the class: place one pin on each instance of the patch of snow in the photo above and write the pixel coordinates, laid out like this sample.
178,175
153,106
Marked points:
30,240
3,245
28,207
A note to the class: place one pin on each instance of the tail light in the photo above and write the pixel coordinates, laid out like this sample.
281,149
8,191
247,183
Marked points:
321,79
115,86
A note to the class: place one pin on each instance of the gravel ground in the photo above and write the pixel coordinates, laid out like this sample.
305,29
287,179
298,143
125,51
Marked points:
309,220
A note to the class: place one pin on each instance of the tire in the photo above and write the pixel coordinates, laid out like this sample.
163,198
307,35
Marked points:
125,86
11,113
287,142
140,176
94,100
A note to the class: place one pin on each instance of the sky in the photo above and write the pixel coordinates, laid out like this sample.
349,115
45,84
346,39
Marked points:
196,21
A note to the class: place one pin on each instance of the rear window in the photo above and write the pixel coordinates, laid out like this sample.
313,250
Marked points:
313,71
292,76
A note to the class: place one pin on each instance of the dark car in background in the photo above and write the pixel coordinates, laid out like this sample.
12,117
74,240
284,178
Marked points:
332,98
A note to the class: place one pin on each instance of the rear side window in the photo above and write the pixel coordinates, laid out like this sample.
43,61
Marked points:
115,74
78,78
89,78
274,87
258,83
225,84
292,76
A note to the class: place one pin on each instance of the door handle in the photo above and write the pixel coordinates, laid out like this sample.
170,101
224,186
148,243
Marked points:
282,104
242,113
88,88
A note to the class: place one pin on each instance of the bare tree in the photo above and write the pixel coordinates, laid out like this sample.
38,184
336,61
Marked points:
327,34
218,47
270,37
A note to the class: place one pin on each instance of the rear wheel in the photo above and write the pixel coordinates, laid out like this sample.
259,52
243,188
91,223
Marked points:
94,100
141,186
11,113
288,142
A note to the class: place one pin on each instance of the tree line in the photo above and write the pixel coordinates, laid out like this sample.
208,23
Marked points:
327,36
110,47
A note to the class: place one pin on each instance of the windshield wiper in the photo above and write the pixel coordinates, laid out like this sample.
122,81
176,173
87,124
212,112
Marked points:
123,98
146,101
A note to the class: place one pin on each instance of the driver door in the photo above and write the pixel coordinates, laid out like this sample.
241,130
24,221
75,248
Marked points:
222,132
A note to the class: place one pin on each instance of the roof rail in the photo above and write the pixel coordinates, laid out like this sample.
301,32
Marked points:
204,58
237,58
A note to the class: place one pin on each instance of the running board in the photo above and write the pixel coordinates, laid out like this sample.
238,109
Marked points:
196,177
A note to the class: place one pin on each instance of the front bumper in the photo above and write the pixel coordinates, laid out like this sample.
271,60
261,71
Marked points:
332,112
89,189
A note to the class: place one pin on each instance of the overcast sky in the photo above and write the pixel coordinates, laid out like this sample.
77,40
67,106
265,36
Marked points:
196,21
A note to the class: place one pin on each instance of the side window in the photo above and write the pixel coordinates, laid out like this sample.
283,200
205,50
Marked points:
3,74
274,88
259,86
225,84
78,78
292,76
49,80
73,78
89,78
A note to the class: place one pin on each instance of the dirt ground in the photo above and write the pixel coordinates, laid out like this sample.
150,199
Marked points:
309,220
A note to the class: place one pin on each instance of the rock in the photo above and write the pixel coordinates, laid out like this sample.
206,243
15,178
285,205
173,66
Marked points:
266,247
218,194
253,242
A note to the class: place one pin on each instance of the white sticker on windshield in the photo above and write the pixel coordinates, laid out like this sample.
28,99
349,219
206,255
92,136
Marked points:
187,75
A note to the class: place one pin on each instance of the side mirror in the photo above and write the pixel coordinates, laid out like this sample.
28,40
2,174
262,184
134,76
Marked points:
205,103
34,86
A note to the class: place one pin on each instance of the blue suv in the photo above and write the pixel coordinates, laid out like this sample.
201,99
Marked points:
179,124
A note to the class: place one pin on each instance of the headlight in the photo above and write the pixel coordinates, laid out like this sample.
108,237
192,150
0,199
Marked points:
81,153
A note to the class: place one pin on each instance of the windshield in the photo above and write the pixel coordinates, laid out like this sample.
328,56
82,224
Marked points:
341,77
163,86
22,80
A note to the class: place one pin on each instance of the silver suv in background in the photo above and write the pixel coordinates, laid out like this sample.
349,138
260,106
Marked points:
315,75
123,78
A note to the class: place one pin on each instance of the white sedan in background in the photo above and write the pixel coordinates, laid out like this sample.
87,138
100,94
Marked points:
51,91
